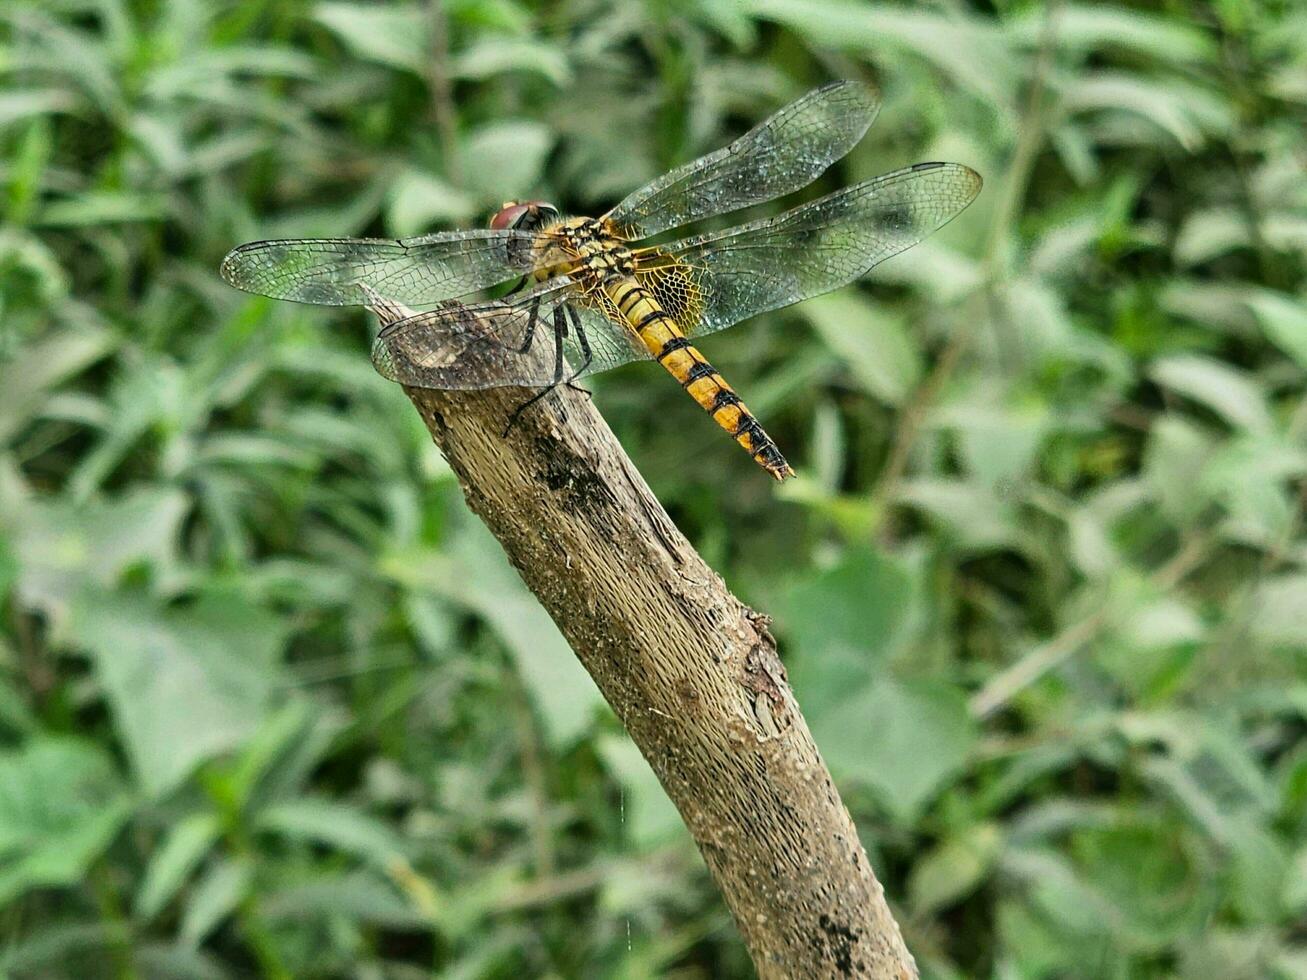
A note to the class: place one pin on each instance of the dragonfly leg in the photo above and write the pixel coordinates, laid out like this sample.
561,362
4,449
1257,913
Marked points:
531,322
586,352
560,331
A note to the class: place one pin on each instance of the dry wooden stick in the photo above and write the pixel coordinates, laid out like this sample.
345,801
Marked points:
691,671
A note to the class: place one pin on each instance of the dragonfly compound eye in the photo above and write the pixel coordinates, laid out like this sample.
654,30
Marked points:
508,216
524,215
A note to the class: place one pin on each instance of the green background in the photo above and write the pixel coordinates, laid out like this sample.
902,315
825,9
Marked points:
273,703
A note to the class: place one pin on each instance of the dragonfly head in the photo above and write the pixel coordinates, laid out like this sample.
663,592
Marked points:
524,215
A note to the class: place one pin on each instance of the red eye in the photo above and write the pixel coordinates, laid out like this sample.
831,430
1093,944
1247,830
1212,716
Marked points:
524,215
509,216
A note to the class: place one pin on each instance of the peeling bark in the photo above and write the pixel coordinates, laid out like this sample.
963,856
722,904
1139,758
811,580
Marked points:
691,671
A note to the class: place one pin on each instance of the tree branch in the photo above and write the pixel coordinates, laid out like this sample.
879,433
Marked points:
691,671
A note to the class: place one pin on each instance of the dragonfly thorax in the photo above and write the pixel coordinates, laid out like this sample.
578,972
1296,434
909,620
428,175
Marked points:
596,253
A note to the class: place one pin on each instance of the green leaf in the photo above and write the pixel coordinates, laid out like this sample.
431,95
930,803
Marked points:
1163,623
505,16
61,805
491,56
871,28
26,375
478,577
1291,963
842,624
1215,782
975,516
1033,940
1250,475
1226,952
1091,549
1260,875
395,35
360,896
828,454
1038,314
871,340
1084,27
1209,233
137,401
1137,862
503,160
1174,461
102,208
1185,112
336,825
63,547
1284,320
223,887
57,948
285,733
954,867
904,739
1216,231
187,844
1072,903
647,815
998,442
184,684
1226,391
1280,610
175,962
1295,883
1151,642
18,104
1215,304
418,200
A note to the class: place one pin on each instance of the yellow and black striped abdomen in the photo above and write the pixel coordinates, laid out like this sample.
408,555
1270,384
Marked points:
663,337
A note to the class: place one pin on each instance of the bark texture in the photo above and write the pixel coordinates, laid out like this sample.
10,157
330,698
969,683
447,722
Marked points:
691,671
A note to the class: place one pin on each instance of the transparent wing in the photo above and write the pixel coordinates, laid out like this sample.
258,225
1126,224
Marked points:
486,345
817,247
779,155
414,271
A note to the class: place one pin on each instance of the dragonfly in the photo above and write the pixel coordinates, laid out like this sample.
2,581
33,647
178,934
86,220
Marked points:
588,296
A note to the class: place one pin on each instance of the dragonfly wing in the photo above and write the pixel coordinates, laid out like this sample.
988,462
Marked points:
819,246
485,345
414,271
607,344
779,155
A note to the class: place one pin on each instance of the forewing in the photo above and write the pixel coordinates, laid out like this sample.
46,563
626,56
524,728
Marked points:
484,345
414,271
779,155
819,246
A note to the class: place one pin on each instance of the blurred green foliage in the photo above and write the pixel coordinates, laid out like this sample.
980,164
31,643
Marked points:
272,702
